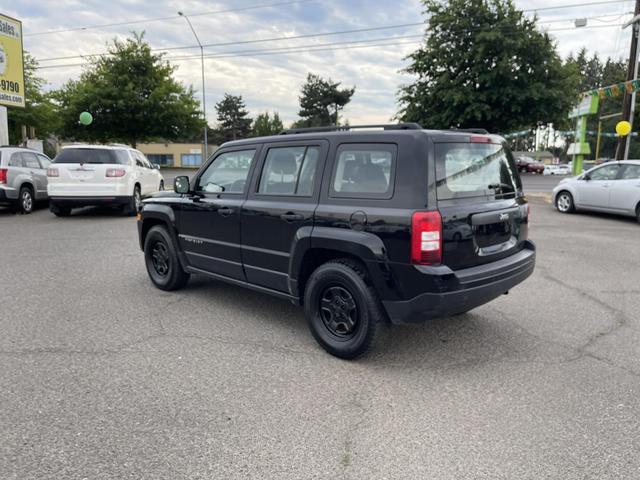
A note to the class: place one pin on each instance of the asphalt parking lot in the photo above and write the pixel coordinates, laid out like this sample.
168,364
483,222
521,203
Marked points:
103,376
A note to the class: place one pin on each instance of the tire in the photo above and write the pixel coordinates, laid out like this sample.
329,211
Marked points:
638,213
59,211
26,201
564,202
161,187
161,260
135,202
343,311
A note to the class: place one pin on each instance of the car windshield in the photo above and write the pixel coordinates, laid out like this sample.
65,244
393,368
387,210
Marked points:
92,155
475,169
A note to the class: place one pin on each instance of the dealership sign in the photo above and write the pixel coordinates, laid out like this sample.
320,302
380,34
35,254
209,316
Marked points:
11,63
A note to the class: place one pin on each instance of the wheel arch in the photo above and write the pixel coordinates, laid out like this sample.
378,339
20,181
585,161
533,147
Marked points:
313,247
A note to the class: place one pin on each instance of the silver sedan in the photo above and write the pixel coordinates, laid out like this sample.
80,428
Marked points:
611,188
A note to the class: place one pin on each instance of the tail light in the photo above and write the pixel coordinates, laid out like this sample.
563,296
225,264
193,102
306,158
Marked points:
52,172
116,172
426,238
3,175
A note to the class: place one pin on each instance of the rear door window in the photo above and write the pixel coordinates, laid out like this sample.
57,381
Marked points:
30,160
364,171
475,169
631,172
289,171
92,155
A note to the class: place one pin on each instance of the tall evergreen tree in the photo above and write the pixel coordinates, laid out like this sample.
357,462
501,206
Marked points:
321,101
233,119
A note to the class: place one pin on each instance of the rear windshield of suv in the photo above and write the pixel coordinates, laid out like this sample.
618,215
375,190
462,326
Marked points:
475,169
92,155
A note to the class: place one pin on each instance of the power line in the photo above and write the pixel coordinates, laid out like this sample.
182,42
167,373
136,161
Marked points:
289,50
247,42
575,5
160,19
272,39
265,52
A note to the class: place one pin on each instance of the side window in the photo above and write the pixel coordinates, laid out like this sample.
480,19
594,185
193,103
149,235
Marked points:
605,173
44,161
143,159
227,173
631,172
364,171
289,171
30,160
139,159
16,160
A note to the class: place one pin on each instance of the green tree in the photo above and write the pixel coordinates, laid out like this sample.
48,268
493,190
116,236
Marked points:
321,101
39,112
233,119
265,125
485,64
132,96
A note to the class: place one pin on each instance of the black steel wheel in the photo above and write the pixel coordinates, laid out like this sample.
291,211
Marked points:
161,260
343,311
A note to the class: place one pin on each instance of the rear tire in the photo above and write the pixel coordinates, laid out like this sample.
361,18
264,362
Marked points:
343,311
638,213
161,187
26,201
564,202
59,211
161,260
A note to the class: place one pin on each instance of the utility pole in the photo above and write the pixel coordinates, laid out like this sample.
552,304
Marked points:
628,106
205,151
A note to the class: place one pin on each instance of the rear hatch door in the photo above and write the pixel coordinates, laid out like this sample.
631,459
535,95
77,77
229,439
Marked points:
83,171
479,194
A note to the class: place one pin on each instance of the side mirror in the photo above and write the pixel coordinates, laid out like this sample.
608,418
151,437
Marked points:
586,177
181,184
156,166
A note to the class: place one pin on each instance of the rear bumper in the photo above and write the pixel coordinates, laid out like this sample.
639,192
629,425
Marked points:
473,287
77,201
8,195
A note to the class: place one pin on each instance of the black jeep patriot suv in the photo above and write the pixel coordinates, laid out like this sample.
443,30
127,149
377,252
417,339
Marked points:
360,226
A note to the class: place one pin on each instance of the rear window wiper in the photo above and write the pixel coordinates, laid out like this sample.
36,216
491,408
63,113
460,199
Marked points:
500,186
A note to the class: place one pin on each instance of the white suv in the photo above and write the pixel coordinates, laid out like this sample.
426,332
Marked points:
83,175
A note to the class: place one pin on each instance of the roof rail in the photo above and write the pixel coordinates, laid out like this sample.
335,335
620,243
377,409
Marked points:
480,131
345,128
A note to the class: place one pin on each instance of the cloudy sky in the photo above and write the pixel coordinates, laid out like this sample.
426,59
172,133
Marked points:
271,81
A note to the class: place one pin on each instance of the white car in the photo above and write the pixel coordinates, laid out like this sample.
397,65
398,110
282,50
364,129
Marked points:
83,175
612,188
559,169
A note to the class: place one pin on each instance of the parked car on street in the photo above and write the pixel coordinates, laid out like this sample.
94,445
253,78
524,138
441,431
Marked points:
83,175
612,188
558,169
529,165
349,223
23,178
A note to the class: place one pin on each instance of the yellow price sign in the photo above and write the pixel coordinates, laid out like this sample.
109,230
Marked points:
11,63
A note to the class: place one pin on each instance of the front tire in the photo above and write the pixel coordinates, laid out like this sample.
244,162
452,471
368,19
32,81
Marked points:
343,311
564,202
161,260
26,201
